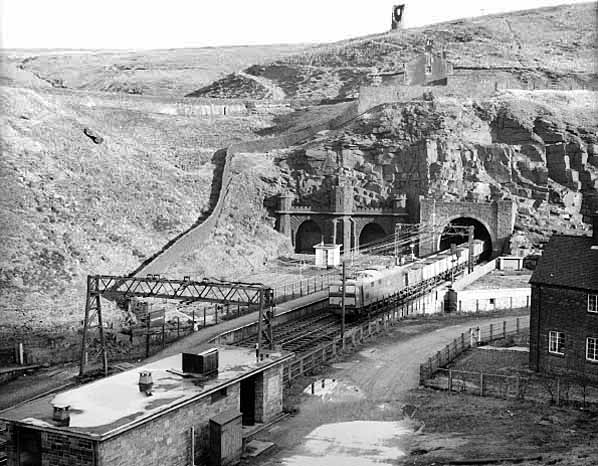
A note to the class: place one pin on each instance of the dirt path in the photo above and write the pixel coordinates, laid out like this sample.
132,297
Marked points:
371,385
274,91
393,367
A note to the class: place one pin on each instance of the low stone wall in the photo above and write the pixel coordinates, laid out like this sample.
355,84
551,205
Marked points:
477,273
493,299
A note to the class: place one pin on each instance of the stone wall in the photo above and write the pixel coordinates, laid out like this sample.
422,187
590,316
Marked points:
56,449
498,217
493,299
563,310
167,439
268,393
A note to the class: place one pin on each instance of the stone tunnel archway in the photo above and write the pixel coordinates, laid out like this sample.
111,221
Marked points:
371,232
308,234
481,232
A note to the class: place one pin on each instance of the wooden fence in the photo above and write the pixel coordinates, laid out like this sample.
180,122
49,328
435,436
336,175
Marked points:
569,389
308,362
473,338
303,287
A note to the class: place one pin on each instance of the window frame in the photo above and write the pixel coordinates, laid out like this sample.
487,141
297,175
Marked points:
592,303
595,344
559,350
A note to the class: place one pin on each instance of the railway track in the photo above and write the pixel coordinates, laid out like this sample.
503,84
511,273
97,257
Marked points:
306,333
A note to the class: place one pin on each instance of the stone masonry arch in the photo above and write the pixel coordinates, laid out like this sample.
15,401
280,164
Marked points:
307,234
481,231
369,232
497,217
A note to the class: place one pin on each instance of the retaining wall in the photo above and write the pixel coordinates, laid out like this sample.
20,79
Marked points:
478,272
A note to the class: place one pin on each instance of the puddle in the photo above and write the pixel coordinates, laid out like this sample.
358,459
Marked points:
369,353
363,443
343,365
334,390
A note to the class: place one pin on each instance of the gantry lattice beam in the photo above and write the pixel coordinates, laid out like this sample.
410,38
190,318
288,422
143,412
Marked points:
123,288
113,287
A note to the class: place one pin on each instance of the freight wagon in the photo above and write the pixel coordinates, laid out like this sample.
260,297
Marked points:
372,285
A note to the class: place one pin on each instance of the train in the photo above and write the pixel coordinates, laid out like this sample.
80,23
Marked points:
374,284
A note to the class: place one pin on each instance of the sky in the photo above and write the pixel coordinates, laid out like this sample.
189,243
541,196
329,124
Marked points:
148,24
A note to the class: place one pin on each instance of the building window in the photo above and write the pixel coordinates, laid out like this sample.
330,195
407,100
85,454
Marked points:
592,349
593,303
556,341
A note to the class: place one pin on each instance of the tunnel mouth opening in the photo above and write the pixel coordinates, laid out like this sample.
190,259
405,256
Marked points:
371,233
480,232
308,235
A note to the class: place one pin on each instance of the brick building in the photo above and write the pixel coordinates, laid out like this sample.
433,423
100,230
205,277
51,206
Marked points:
564,307
128,420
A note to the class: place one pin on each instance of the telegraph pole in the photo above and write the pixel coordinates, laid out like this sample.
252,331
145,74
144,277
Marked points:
470,237
343,301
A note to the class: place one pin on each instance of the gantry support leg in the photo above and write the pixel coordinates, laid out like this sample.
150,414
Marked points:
93,306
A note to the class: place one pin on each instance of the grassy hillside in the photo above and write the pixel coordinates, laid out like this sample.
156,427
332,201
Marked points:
551,46
173,72
70,207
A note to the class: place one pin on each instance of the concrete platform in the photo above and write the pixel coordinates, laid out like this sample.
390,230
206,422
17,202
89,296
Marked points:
191,342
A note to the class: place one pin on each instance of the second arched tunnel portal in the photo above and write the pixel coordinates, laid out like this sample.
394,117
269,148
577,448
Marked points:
493,223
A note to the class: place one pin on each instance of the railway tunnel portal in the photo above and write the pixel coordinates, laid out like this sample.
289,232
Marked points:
493,223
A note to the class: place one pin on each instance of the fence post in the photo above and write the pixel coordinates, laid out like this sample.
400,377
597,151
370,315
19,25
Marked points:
558,391
477,305
491,332
450,381
204,316
481,384
193,324
20,354
462,342
517,324
504,329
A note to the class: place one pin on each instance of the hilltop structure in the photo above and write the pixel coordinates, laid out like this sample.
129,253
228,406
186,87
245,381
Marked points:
397,16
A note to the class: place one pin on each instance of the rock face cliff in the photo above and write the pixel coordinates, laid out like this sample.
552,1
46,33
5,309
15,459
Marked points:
538,148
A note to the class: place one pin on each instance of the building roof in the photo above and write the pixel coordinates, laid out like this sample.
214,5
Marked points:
111,405
568,261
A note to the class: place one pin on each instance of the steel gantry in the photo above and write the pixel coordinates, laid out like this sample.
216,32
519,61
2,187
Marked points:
121,289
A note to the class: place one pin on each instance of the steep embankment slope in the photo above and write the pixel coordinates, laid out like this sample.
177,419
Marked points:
552,47
70,207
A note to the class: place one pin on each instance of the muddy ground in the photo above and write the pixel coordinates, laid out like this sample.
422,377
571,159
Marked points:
370,412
